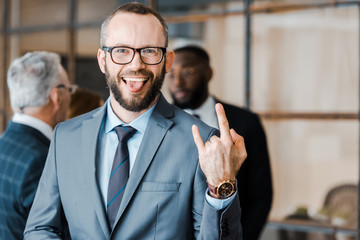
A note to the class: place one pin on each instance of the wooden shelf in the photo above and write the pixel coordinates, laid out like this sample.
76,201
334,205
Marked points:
308,116
310,226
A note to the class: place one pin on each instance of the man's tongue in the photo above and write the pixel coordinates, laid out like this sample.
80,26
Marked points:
135,86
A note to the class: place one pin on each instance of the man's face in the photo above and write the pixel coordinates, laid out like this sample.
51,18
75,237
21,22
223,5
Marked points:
136,85
188,80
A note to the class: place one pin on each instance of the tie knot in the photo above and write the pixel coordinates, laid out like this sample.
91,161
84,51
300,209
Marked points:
124,132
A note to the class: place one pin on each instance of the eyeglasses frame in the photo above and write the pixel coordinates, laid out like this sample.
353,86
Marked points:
109,50
71,88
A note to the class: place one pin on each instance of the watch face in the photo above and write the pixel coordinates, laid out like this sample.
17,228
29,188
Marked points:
225,189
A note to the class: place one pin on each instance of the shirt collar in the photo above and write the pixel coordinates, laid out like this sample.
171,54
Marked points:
139,123
33,122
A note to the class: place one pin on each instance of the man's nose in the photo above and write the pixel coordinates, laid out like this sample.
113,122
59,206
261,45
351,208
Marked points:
136,63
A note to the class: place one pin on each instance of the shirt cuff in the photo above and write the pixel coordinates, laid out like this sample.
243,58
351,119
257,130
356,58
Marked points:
219,204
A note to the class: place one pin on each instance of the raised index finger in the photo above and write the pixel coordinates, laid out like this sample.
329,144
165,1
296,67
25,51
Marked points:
223,122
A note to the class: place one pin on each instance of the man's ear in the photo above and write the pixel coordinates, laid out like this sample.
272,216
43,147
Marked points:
170,56
208,74
101,59
55,98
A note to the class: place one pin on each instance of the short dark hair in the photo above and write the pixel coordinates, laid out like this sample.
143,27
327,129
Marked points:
199,51
137,8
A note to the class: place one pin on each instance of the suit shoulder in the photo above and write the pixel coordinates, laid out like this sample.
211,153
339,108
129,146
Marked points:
77,121
18,136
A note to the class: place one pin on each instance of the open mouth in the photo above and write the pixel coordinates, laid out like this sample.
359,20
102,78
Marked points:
135,84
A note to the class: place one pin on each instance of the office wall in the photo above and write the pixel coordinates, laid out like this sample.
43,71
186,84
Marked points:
305,61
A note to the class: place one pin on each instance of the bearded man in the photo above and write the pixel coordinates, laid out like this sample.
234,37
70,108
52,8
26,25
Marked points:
138,167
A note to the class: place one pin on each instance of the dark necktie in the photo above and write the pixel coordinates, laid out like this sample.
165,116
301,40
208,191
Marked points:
119,172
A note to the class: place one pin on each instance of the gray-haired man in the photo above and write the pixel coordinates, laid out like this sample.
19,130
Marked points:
40,96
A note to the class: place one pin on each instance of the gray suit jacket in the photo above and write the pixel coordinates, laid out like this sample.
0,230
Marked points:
164,197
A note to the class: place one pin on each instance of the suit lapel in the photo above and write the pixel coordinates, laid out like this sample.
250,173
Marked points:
89,145
155,132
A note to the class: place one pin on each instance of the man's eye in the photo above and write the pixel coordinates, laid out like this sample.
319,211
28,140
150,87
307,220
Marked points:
149,50
121,50
189,71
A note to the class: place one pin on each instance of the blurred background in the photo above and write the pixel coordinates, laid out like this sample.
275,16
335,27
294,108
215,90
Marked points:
294,62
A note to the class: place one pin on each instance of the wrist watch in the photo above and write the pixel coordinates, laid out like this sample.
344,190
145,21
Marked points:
223,189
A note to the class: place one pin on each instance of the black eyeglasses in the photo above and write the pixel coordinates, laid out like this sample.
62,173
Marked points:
124,55
72,88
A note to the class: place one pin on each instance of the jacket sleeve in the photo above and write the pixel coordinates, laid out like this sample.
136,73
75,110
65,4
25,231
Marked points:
221,224
46,218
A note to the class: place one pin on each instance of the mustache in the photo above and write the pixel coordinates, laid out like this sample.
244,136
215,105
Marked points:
141,72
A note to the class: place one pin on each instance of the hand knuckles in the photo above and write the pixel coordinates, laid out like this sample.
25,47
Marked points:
228,144
213,138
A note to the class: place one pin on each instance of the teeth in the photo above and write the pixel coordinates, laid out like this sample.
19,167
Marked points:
135,79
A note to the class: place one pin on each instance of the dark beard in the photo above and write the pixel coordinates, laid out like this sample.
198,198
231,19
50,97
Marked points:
197,98
137,105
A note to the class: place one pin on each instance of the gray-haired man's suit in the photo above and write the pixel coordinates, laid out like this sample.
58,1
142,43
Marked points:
164,197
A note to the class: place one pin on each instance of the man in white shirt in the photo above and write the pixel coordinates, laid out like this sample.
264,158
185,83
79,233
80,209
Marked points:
40,96
188,82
